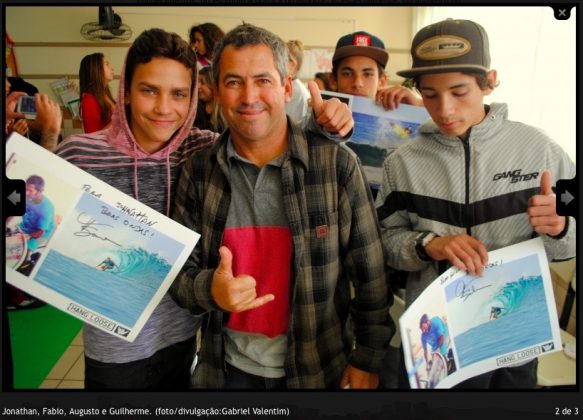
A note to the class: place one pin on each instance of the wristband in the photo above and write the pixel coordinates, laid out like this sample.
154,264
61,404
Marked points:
421,242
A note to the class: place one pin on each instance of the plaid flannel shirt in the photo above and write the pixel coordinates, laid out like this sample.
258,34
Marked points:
336,241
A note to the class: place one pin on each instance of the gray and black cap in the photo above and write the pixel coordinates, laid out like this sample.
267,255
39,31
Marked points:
449,46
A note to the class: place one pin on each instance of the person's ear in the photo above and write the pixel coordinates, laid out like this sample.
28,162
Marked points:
492,76
382,80
288,88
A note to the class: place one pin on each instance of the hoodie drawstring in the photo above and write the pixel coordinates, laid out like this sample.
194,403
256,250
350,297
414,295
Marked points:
168,192
168,182
136,195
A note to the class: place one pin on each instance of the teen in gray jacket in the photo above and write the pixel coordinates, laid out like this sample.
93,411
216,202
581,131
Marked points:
474,181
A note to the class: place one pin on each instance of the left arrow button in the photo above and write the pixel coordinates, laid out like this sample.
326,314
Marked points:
14,198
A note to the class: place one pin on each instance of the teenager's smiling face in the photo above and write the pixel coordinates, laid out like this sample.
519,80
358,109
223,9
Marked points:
159,100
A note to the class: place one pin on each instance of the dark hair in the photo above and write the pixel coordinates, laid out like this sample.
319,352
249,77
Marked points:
211,35
481,79
37,181
325,78
245,35
336,64
207,73
92,80
423,320
157,43
214,121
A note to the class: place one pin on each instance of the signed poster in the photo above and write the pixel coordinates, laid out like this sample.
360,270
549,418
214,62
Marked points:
87,248
463,325
377,132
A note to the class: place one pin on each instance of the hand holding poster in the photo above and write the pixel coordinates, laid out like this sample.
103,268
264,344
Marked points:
87,248
463,325
377,132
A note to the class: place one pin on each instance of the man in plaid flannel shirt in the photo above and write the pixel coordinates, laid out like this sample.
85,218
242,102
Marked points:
289,270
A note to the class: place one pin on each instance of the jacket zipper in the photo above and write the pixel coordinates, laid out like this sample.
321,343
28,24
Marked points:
468,217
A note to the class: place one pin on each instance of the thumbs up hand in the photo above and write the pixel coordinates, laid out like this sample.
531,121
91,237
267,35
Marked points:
332,114
234,294
546,183
542,209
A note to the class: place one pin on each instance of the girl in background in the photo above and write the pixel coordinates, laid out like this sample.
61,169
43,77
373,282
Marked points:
208,116
203,39
97,103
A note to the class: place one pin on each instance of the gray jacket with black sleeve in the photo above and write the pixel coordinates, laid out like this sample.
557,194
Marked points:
479,186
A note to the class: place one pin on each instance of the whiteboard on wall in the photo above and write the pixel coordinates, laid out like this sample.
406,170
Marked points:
316,60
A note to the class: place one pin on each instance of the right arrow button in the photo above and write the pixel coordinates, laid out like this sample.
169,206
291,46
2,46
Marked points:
567,197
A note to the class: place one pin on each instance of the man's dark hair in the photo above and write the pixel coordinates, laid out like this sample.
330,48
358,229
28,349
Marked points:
37,181
157,43
423,320
18,84
481,79
336,65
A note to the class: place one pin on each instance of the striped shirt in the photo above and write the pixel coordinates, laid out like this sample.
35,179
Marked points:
168,324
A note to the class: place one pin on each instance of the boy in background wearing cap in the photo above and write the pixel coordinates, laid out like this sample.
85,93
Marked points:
358,68
474,181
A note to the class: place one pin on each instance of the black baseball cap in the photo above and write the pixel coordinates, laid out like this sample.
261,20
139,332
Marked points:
361,43
449,46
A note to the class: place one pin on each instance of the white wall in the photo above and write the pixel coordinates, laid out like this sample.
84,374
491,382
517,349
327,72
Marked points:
535,60
315,26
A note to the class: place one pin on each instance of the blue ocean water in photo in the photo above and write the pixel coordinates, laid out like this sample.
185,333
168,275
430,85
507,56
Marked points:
381,132
139,264
120,294
375,137
523,322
